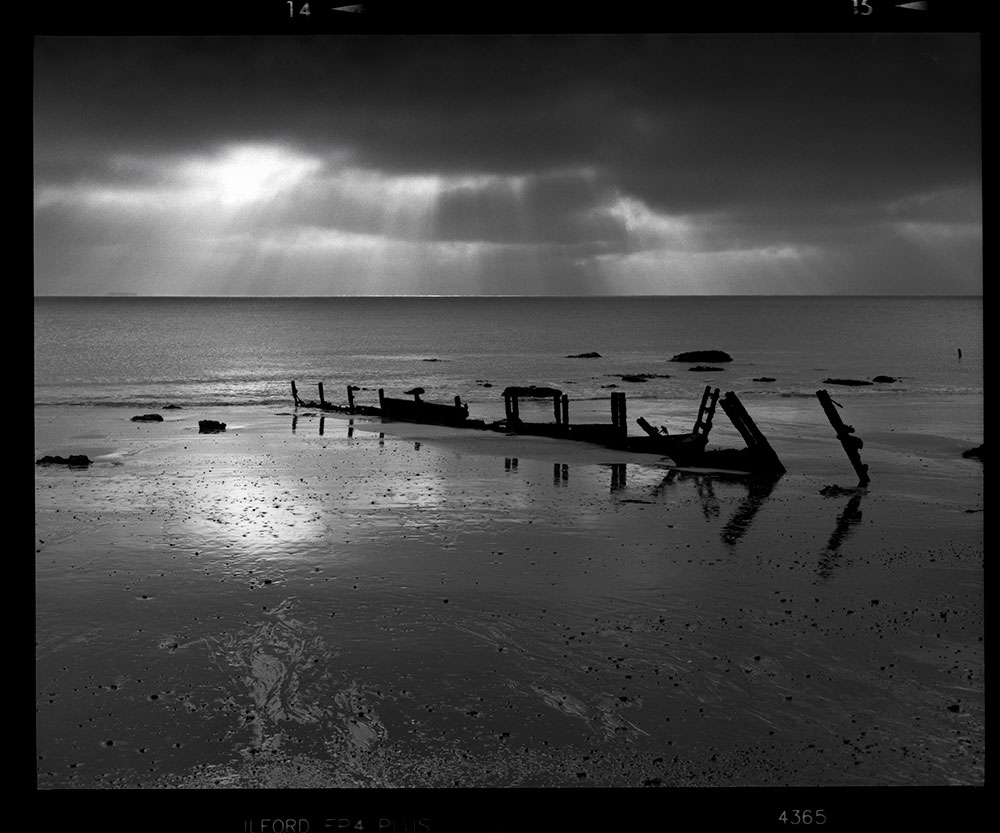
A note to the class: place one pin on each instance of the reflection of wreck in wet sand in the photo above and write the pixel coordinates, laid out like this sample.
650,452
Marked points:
846,522
758,488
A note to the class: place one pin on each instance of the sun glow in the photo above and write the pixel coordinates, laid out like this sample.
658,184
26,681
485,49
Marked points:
243,174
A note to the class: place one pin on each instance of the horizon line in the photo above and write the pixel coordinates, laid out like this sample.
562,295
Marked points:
107,295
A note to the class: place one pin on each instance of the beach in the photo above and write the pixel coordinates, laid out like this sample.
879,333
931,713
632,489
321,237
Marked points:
305,601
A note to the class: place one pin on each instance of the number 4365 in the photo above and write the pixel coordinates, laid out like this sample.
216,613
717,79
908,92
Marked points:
802,817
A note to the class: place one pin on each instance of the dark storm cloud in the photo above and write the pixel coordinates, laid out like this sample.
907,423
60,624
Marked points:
684,123
583,144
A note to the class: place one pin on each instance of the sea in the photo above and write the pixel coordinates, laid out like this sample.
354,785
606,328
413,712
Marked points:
215,353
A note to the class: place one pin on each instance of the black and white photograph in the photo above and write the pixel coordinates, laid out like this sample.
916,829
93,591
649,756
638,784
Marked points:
476,415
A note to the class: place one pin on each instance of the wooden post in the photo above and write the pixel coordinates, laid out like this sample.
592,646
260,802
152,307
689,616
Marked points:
565,411
645,426
322,401
614,409
514,412
706,411
350,399
850,443
622,416
295,394
506,407
381,397
751,434
556,409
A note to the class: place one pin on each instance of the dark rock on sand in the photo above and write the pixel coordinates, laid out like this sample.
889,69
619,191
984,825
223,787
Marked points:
643,377
147,418
73,461
976,453
851,382
585,356
703,356
171,407
210,426
702,368
884,379
765,379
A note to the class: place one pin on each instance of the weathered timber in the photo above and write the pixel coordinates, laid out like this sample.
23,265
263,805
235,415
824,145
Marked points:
417,410
322,399
764,456
565,410
706,411
649,429
295,395
845,433
350,399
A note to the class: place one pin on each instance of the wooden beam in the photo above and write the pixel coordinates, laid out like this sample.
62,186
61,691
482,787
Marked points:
751,434
845,433
322,401
565,411
350,399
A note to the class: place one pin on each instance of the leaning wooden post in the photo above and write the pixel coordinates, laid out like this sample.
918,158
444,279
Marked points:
322,401
565,411
751,434
850,443
295,395
350,399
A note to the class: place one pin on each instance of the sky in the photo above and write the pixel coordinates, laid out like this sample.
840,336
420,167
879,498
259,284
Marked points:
508,165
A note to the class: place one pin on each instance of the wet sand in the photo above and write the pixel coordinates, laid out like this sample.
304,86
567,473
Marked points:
307,603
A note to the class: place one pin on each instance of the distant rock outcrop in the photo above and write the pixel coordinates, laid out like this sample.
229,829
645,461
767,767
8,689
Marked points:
585,356
171,407
976,453
73,461
703,356
851,382
765,379
884,379
643,377
702,368
147,418
210,426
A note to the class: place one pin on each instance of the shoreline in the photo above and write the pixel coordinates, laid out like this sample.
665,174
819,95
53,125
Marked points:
418,609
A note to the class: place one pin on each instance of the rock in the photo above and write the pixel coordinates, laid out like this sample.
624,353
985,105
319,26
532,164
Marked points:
852,382
73,461
702,367
210,426
147,418
585,356
884,379
976,453
703,356
171,407
643,377
765,379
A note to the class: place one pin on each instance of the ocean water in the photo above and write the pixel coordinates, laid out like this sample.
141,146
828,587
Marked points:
219,352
